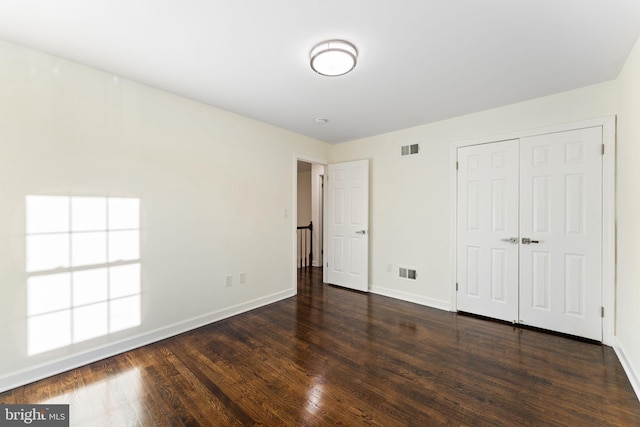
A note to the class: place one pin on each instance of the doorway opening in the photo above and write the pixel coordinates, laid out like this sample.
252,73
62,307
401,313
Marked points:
310,208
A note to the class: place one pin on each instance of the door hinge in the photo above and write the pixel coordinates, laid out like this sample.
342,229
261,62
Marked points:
601,311
327,265
603,149
456,287
456,165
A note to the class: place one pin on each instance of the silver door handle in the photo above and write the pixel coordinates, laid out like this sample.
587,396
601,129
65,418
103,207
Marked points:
361,232
526,241
510,240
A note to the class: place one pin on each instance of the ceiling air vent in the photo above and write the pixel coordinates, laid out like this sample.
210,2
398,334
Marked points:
409,150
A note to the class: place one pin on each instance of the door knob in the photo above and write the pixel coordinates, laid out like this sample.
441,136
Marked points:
510,240
526,241
361,232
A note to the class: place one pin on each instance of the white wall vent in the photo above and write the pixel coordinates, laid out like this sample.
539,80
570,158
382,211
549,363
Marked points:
407,273
409,150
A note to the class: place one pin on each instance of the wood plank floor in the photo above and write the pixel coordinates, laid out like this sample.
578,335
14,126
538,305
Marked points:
334,357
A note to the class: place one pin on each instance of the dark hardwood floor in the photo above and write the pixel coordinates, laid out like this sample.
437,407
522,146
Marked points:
334,357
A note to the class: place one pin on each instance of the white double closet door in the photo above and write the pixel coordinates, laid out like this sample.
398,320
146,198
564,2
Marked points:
529,231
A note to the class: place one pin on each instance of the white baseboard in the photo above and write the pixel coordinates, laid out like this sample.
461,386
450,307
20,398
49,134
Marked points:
417,299
35,373
632,374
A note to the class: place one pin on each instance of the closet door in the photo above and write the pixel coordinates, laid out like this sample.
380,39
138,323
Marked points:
561,232
487,259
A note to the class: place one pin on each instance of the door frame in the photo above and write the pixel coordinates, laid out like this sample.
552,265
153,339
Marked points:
293,212
608,125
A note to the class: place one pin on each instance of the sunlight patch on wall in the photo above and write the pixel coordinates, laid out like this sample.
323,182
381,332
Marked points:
83,268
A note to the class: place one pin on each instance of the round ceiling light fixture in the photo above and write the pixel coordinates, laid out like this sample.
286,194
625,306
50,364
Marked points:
333,58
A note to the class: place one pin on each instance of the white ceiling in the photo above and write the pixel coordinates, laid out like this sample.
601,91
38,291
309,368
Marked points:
420,60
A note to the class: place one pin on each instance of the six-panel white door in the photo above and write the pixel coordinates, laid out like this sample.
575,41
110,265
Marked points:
347,224
555,274
561,215
488,230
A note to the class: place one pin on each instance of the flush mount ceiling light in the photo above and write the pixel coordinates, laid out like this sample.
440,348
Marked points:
333,58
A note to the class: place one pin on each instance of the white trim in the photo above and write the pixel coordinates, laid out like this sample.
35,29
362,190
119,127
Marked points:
453,224
406,296
609,230
602,121
325,240
608,125
632,374
44,370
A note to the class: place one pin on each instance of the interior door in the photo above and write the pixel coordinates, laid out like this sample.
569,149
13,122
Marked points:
488,230
561,232
347,225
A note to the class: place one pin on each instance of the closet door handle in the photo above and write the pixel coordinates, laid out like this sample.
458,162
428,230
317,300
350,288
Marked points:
526,241
510,240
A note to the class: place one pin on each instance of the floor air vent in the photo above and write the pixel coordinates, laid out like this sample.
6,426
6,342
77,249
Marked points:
407,273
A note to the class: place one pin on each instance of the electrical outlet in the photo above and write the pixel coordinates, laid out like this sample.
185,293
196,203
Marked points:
229,281
243,278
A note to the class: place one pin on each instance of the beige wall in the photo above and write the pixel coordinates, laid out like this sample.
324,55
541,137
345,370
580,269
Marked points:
628,213
304,197
215,191
410,216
